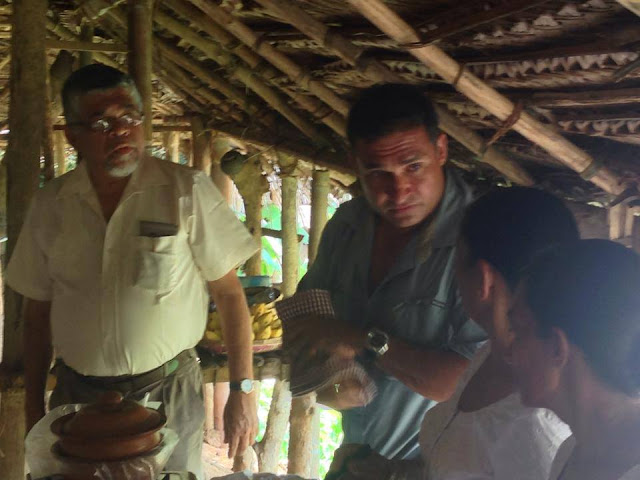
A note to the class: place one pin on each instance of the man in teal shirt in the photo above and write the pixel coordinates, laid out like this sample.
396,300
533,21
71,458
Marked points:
388,260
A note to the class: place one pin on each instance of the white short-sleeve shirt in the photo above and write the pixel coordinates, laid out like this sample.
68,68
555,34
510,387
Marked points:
123,303
502,441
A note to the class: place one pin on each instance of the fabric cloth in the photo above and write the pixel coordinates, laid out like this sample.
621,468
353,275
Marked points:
502,441
417,301
315,373
127,295
564,454
182,403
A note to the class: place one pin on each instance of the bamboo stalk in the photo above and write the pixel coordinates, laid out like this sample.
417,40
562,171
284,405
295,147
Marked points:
242,73
482,94
375,70
281,61
84,46
230,44
66,34
319,203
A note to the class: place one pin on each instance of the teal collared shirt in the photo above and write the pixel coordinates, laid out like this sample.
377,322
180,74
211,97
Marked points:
417,301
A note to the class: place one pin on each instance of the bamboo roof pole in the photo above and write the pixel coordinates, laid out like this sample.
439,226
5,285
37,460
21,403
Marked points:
165,50
214,81
377,71
236,69
66,34
295,72
229,44
486,96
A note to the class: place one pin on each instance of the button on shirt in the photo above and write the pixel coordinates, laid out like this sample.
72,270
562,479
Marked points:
123,303
417,301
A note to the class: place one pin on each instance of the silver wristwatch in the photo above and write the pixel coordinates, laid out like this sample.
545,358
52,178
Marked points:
377,342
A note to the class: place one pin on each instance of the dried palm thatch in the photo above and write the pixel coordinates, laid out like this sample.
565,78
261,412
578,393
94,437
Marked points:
256,75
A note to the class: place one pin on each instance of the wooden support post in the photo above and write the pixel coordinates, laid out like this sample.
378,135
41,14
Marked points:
290,247
86,35
187,150
319,203
207,390
268,449
171,141
486,96
22,160
200,140
314,464
141,54
300,435
621,224
59,151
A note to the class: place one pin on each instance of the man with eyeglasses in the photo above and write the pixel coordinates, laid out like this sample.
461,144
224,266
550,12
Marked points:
117,259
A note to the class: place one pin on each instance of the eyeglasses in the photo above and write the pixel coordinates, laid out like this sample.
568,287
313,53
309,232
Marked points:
107,124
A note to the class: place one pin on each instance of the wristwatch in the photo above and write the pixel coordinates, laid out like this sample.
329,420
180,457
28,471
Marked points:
245,385
377,343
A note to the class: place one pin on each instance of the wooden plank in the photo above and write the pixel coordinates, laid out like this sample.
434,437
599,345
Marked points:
486,96
77,45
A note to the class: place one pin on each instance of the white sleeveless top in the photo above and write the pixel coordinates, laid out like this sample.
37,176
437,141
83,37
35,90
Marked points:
502,441
564,453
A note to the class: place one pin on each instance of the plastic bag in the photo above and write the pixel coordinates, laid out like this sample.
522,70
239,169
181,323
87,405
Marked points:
43,461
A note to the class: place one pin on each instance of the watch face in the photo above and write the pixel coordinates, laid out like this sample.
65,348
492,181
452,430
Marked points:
378,340
246,385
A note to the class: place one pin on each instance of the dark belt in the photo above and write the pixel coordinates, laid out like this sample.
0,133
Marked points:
142,380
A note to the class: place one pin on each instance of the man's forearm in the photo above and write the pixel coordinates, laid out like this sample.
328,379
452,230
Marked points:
236,328
431,373
37,345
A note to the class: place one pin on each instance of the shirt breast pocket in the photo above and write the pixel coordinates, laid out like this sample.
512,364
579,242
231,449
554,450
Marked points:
423,321
155,264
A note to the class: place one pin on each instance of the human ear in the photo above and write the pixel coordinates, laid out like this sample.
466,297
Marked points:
487,280
442,149
560,348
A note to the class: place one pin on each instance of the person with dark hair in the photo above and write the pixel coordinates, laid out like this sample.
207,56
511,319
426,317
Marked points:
387,260
483,431
576,351
116,261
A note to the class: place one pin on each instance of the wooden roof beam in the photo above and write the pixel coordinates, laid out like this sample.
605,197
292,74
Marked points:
55,44
295,72
228,42
244,74
375,70
482,94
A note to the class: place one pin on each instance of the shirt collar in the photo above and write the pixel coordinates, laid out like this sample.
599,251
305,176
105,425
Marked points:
78,182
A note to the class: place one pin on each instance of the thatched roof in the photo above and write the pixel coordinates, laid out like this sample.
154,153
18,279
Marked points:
573,65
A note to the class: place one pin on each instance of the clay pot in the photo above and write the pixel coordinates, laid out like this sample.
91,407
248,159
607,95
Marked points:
111,429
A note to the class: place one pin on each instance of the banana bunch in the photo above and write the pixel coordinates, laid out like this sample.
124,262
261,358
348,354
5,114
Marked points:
265,324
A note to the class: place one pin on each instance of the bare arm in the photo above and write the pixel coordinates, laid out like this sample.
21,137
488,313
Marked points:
431,373
37,343
241,421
